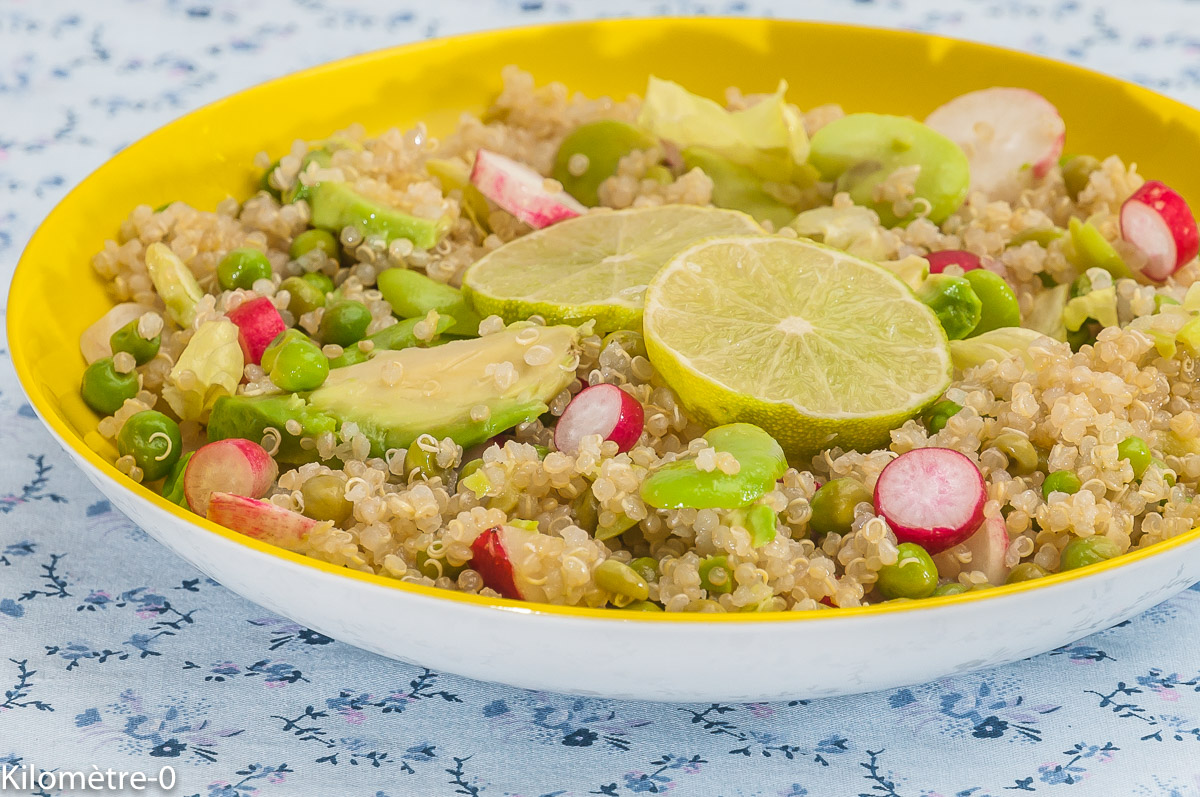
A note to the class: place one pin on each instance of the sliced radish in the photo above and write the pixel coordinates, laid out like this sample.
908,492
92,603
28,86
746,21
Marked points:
606,410
261,520
95,340
522,191
1159,222
987,547
258,324
490,559
931,496
1004,132
939,261
233,466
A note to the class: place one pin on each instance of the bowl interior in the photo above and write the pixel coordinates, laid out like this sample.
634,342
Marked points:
206,156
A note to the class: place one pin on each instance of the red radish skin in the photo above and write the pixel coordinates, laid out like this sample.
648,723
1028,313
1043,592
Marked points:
237,466
987,547
1159,222
490,560
606,410
1004,132
522,191
261,520
940,261
931,496
258,324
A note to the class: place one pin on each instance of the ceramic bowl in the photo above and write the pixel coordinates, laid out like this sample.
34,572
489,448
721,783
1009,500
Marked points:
207,155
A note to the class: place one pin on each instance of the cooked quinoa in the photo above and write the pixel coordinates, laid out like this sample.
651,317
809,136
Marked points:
1074,406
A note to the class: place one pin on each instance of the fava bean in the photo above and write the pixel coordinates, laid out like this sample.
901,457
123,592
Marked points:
1022,456
953,301
681,484
999,307
325,498
412,295
305,297
590,154
621,580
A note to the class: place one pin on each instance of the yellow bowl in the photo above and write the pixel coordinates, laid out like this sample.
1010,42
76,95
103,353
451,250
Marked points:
207,155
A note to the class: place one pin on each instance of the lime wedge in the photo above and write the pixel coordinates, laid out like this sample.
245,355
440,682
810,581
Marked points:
594,266
817,347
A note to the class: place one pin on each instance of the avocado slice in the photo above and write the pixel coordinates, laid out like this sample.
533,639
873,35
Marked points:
337,205
437,388
248,417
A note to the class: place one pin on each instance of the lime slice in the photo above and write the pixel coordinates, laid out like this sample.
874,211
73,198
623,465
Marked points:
594,266
817,347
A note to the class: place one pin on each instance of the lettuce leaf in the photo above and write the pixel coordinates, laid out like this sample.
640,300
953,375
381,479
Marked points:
214,357
768,137
998,344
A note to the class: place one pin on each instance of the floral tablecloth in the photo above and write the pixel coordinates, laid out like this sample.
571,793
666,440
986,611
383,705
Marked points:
114,654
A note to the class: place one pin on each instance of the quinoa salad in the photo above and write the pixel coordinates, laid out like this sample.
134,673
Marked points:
663,353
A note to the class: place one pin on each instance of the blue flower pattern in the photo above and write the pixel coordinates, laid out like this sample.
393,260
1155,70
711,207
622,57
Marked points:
113,652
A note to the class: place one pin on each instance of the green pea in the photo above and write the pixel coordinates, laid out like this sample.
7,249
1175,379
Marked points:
833,505
153,440
128,340
1137,452
643,606
646,567
1022,456
306,297
105,390
1168,474
1083,551
435,567
294,363
937,416
862,150
172,488
602,143
345,322
1026,571
914,575
241,267
999,303
621,579
325,498
423,462
716,577
1076,172
320,281
954,302
632,342
1061,481
309,240
952,588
